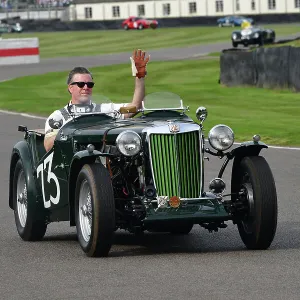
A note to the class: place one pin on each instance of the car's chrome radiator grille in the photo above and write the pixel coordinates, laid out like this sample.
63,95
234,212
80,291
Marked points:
176,164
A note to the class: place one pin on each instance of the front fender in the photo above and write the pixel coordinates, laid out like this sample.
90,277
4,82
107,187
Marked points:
86,156
77,162
22,151
249,148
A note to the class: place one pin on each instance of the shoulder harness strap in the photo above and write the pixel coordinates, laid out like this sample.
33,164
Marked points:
64,113
98,108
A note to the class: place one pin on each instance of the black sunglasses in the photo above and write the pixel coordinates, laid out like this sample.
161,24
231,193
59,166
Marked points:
81,84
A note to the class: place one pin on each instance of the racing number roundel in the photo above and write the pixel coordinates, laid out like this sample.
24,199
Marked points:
51,175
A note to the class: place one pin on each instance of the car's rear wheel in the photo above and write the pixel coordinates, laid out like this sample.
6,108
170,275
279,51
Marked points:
273,38
261,41
94,210
153,25
125,27
254,183
141,27
30,225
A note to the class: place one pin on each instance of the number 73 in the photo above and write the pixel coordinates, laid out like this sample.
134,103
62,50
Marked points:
51,175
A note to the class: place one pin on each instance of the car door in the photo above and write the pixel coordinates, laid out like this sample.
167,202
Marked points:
52,177
131,23
227,21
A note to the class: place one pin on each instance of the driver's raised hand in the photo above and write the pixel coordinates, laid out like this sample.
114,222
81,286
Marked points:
139,63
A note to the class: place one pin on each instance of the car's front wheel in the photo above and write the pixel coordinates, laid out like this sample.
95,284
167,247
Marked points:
94,210
28,216
234,44
141,27
125,27
261,41
254,184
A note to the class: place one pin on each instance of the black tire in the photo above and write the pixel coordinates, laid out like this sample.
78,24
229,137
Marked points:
125,27
32,228
273,38
141,27
98,181
235,45
257,227
261,42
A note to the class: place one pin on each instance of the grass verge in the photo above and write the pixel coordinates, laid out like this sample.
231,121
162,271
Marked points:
272,114
82,43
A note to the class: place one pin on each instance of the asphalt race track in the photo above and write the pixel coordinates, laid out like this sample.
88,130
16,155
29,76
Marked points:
201,265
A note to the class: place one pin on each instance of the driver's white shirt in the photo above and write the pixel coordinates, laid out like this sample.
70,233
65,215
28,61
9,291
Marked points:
66,117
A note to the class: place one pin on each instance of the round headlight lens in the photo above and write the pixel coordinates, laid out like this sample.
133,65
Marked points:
221,137
129,143
234,36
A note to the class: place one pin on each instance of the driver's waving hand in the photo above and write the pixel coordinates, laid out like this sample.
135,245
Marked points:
80,85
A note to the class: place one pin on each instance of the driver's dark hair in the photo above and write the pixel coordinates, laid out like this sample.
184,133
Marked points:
77,70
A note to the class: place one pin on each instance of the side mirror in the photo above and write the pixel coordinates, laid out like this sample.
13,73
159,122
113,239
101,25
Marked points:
129,109
201,113
22,128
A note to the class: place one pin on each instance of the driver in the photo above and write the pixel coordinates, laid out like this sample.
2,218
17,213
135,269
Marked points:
80,86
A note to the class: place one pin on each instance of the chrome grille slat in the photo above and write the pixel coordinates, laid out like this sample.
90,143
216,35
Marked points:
176,164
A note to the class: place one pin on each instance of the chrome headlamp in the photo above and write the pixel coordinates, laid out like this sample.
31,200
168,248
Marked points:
221,137
129,143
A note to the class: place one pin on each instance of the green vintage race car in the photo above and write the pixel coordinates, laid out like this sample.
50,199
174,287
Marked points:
8,28
144,173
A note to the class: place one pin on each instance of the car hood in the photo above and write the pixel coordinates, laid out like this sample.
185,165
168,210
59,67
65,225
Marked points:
92,133
248,31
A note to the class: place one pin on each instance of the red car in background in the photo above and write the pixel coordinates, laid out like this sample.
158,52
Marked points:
139,23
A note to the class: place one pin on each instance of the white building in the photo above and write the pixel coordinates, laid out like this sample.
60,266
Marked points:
118,9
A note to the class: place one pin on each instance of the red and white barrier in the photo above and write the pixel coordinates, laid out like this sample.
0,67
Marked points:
19,51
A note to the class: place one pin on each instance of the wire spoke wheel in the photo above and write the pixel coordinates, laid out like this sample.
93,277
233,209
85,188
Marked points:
94,210
22,198
85,210
29,213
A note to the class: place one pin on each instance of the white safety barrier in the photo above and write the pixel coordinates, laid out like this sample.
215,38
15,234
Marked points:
19,51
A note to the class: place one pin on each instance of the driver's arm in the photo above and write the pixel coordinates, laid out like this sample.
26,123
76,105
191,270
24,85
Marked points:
138,96
50,133
49,142
139,92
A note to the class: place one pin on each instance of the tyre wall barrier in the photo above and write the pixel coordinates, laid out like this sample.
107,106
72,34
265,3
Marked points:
237,68
275,68
19,51
294,68
272,66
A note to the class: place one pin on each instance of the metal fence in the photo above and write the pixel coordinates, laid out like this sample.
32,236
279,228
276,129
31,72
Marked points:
39,9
